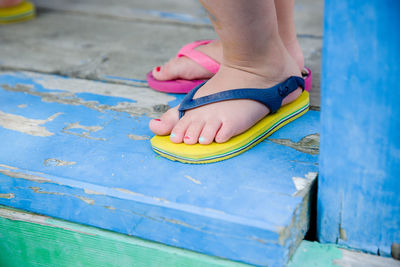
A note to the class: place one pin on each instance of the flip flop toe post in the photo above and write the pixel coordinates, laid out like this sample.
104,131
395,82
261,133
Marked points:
271,97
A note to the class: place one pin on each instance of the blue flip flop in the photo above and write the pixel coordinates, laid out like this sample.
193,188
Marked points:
270,97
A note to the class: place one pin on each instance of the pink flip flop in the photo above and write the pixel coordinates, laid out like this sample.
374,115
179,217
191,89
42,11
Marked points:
181,86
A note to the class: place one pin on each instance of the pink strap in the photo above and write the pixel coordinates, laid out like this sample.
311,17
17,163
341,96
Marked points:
202,59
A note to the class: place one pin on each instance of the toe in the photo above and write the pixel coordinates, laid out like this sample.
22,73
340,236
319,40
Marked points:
166,123
209,132
181,68
193,132
179,131
224,134
169,71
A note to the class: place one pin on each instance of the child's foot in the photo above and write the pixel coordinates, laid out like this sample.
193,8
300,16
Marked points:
9,3
223,120
187,69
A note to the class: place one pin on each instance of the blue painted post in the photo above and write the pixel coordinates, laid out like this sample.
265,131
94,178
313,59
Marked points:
359,183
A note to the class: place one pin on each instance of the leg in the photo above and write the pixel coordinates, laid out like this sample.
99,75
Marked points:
253,56
287,30
185,68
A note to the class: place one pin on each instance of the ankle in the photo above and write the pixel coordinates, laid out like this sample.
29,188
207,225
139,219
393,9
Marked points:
294,49
274,64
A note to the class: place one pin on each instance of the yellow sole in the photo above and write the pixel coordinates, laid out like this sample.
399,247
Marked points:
214,152
23,11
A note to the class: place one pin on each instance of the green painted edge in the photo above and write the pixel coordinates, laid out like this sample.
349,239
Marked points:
28,239
316,255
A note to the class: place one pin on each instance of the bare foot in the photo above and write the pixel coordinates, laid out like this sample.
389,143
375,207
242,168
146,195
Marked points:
185,68
223,120
9,3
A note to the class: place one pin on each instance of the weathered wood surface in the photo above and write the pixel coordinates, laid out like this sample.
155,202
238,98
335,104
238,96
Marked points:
359,200
121,41
36,240
76,147
79,150
307,15
330,255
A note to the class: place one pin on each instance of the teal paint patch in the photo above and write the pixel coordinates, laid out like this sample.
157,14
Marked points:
315,254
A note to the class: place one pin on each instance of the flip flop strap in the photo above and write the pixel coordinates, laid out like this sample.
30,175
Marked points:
271,97
200,58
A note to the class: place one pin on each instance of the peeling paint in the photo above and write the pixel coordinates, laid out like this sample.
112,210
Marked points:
302,184
86,133
7,196
161,108
91,192
179,223
34,218
25,125
262,241
161,199
146,101
58,162
30,177
308,144
8,167
85,199
129,192
39,191
138,137
342,234
192,179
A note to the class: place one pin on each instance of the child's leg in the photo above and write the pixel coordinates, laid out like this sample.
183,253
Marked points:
185,68
253,57
287,30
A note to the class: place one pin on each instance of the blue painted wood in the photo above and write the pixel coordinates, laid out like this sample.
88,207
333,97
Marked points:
359,200
242,209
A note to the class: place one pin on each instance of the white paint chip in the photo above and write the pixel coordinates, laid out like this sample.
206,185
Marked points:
302,183
192,179
25,125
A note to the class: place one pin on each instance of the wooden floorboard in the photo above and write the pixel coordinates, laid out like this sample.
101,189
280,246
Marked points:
96,43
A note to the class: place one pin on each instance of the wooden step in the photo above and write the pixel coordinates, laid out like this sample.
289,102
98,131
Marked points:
35,240
78,150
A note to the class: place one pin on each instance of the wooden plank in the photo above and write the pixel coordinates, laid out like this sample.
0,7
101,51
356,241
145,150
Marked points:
79,150
330,255
108,49
189,12
354,258
307,16
359,200
35,240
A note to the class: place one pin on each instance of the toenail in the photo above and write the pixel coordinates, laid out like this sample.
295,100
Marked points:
201,139
172,135
186,137
157,119
158,68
